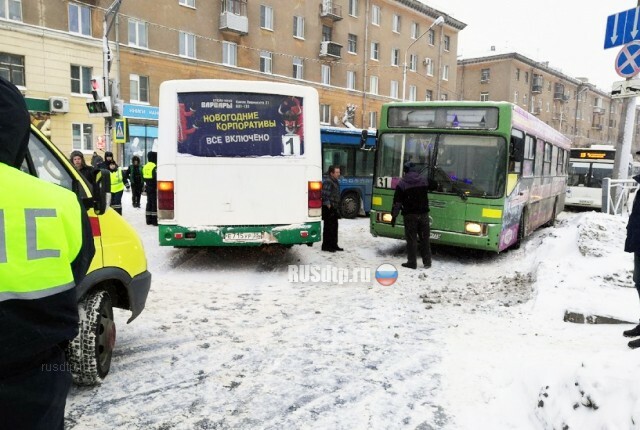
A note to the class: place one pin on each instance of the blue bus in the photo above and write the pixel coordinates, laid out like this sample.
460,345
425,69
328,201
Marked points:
353,150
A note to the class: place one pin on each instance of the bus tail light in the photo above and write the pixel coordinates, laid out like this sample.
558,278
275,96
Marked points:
165,200
315,198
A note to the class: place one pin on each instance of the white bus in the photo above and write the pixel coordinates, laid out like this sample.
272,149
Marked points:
587,169
239,164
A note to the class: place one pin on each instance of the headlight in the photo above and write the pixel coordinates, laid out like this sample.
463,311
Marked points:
386,217
475,228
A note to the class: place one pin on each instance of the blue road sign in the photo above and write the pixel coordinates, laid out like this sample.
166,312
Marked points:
622,28
628,60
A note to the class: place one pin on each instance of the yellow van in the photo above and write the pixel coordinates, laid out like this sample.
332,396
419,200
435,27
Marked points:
118,275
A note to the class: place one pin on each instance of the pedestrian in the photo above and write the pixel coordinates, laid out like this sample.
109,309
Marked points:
330,212
632,244
77,159
45,252
117,186
108,158
96,160
133,179
411,199
149,173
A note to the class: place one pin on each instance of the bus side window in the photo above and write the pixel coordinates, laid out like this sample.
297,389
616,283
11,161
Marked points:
516,151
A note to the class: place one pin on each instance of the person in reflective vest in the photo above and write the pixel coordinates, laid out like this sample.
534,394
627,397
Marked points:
117,187
46,247
150,182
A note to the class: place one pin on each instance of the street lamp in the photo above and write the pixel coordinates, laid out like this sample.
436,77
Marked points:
438,21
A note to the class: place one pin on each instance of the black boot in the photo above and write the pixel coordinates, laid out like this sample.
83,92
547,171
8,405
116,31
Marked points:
634,332
409,265
634,344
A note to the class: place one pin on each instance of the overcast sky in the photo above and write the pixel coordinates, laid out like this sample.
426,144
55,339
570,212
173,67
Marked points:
568,33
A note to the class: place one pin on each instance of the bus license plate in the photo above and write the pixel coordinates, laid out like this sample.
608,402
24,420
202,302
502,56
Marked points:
242,237
434,236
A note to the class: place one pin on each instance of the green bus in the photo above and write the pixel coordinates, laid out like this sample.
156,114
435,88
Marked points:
495,171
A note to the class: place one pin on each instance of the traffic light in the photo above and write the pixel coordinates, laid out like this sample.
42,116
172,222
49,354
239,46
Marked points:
97,90
99,108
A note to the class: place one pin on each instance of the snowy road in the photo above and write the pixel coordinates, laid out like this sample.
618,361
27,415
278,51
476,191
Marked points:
227,342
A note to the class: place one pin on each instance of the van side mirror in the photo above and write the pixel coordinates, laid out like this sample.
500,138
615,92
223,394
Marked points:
101,186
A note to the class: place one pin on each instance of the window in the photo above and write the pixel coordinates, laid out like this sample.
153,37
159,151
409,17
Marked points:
139,88
484,97
526,77
444,97
515,97
79,19
546,168
138,33
413,62
517,74
325,114
326,33
12,68
11,9
229,53
352,43
373,84
395,57
485,74
266,17
428,96
393,89
297,68
415,30
298,27
529,155
445,72
82,136
373,119
396,23
353,7
266,62
413,92
81,79
325,72
187,45
351,80
429,63
447,43
190,3
431,37
375,15
375,48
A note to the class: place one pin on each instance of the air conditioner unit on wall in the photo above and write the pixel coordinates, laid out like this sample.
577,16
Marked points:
59,104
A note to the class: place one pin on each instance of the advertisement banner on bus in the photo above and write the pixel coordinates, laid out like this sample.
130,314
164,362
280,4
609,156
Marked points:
223,124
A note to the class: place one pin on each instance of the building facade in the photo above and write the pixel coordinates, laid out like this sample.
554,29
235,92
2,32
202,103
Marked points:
357,53
573,106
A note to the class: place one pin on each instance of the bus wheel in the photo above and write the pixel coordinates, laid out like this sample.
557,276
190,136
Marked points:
552,221
90,352
350,205
521,229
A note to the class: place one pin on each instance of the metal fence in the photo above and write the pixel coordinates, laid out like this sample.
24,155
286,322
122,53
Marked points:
618,195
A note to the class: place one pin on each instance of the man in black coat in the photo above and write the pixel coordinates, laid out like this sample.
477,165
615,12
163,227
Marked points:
330,211
632,244
412,200
133,179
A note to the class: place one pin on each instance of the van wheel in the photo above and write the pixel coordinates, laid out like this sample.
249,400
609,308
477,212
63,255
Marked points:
350,205
90,352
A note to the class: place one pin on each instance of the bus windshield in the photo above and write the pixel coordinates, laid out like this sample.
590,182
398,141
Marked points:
471,166
588,175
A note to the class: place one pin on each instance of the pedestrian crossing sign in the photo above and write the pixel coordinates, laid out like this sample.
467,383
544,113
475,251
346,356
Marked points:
120,131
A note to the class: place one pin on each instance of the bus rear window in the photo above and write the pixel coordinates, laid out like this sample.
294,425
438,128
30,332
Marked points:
443,117
227,124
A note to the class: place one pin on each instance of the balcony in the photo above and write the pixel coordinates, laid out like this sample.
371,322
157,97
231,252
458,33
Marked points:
596,126
330,10
330,50
598,109
561,96
233,17
536,88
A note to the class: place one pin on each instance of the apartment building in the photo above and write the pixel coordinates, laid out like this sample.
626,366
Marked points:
572,106
353,51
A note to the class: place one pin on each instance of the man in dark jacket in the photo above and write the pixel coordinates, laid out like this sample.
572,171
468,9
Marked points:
108,158
632,244
330,213
412,200
133,179
77,159
46,250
